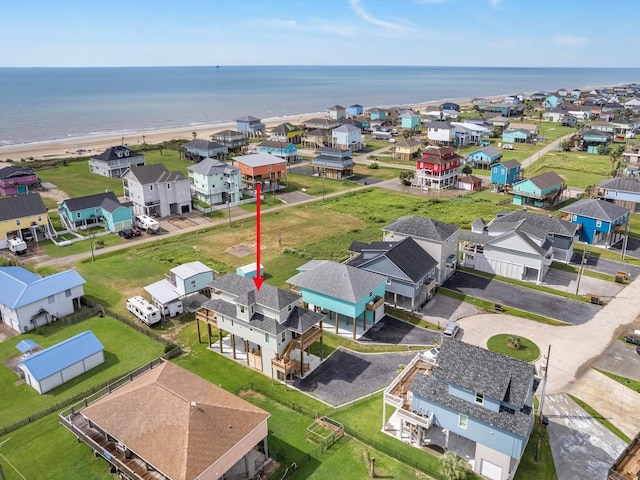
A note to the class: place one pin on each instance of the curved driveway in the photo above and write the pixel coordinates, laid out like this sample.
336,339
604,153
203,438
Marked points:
540,303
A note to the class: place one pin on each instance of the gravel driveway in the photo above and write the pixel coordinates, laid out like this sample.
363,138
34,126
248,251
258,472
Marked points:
346,375
548,305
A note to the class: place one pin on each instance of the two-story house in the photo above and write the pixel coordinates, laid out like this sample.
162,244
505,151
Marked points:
440,133
409,120
18,180
353,298
333,163
99,209
540,191
347,137
286,132
485,157
336,112
410,270
28,301
214,182
267,170
285,150
252,126
233,140
406,149
155,191
267,327
320,123
468,396
438,169
115,161
23,212
198,149
621,191
601,222
505,173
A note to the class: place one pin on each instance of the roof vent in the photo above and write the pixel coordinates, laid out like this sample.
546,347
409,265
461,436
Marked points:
193,404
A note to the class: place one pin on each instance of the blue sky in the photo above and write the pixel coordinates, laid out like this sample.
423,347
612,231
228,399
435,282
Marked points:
519,33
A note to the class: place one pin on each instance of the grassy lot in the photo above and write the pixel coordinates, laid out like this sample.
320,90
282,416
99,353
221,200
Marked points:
19,401
579,169
528,351
544,468
606,423
381,172
395,161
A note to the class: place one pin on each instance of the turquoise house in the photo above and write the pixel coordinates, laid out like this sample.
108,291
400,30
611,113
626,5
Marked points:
93,210
355,110
377,114
540,191
505,173
409,120
285,150
249,271
601,222
552,101
516,136
353,298
485,157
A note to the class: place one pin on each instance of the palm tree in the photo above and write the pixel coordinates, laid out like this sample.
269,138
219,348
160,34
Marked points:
195,134
515,342
453,467
538,434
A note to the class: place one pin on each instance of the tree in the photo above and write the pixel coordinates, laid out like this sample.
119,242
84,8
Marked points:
405,177
515,342
195,134
565,145
467,170
539,434
407,134
453,467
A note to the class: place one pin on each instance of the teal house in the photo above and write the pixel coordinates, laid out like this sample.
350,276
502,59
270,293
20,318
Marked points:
409,120
552,101
540,191
285,150
506,172
95,210
377,114
516,136
250,271
353,298
485,157
601,222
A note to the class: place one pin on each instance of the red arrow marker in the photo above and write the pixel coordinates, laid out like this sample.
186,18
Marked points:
258,279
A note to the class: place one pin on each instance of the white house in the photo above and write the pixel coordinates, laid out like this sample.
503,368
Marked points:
28,300
53,366
182,281
215,182
337,112
441,133
347,137
114,161
155,191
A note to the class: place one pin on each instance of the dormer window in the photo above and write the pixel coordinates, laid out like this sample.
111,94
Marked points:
241,308
479,398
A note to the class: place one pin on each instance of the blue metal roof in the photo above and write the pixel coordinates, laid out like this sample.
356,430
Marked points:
21,287
51,360
26,346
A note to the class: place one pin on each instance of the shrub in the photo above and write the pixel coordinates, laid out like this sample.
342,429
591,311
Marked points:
373,166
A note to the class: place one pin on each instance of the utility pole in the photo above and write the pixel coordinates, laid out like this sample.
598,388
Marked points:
625,240
584,252
324,174
229,209
93,258
544,380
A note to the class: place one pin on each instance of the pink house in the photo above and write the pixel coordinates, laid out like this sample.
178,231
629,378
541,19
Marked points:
16,180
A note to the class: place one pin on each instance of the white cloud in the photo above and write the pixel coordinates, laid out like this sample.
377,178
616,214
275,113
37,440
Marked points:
367,17
570,41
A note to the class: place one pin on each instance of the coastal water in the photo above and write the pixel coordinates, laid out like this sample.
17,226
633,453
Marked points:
42,104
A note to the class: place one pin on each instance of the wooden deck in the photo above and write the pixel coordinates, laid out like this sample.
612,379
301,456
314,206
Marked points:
421,367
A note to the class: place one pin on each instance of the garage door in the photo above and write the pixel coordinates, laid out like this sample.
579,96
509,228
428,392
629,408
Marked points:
490,470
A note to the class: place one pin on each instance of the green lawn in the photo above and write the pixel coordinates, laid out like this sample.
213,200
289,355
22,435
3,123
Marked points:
528,351
19,401
579,169
544,468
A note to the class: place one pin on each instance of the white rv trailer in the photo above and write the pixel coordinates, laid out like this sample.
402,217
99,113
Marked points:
147,223
17,246
142,309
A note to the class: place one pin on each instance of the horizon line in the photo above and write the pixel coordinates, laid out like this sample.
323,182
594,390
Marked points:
318,65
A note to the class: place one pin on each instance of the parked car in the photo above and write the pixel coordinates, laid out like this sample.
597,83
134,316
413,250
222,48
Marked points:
632,336
27,235
433,353
129,233
451,330
638,349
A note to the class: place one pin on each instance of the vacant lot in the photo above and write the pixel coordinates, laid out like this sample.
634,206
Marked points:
579,169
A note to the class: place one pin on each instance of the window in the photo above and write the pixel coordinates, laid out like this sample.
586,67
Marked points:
270,167
241,308
52,298
283,338
462,420
168,186
598,223
151,188
290,307
67,292
574,218
479,398
370,294
18,222
501,170
78,214
388,280
266,337
193,283
39,218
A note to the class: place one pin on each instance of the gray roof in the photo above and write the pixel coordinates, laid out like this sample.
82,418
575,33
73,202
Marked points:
258,159
408,256
338,281
438,124
547,223
111,205
510,164
246,294
597,209
21,206
491,151
247,118
479,370
157,173
8,172
274,144
545,180
345,127
201,144
621,184
210,166
116,153
90,201
422,227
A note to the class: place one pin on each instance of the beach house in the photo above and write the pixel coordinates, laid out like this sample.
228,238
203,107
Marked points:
539,191
18,180
23,212
621,191
115,161
406,149
198,149
267,170
214,183
355,110
484,157
347,137
235,142
333,163
157,192
285,150
600,222
101,209
440,133
28,301
336,112
251,126
409,120
286,132
438,169
505,173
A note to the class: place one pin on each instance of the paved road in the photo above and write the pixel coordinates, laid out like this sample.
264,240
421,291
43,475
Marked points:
548,305
603,265
633,247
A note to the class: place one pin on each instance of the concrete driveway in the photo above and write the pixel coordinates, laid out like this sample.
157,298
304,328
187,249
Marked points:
568,282
583,449
603,265
548,305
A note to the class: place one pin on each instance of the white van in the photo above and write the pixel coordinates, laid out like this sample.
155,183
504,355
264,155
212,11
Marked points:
17,246
147,223
142,309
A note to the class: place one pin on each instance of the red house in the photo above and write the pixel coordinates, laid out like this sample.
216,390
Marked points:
438,169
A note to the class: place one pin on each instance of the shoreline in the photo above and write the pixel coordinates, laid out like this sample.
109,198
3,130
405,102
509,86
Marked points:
96,144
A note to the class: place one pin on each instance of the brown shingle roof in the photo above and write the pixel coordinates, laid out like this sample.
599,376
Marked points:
175,420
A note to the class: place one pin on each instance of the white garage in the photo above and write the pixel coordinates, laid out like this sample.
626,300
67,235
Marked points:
53,366
490,470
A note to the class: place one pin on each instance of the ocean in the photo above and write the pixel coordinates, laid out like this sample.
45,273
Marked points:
43,104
